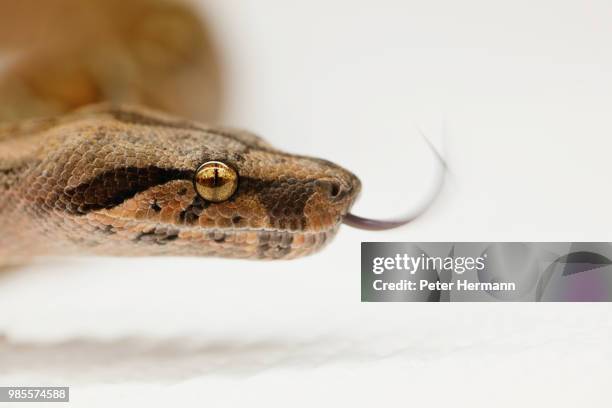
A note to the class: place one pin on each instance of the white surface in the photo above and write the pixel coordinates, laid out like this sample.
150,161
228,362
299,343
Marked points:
524,92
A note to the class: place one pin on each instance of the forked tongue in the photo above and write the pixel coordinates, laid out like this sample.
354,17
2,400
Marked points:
356,221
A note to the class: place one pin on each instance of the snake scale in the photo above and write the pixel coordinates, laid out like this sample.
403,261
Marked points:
102,142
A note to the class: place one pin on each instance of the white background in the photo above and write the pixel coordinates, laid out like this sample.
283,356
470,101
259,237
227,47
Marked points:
517,95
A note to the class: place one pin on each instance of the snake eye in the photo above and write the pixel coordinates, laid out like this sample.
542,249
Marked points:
215,181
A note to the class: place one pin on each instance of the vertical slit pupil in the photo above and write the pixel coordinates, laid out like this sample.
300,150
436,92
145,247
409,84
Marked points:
215,180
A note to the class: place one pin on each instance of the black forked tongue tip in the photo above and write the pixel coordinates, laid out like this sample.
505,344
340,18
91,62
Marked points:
380,225
372,225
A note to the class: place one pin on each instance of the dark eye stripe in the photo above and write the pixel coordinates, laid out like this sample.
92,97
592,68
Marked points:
113,187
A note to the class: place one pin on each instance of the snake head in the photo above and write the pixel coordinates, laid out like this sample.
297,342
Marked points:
125,179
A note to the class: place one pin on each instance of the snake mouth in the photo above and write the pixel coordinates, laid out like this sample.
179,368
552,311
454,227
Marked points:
238,243
265,244
123,236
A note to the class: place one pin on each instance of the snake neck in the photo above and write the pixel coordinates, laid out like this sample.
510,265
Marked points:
17,157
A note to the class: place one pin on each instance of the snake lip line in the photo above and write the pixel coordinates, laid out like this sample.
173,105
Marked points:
216,231
284,244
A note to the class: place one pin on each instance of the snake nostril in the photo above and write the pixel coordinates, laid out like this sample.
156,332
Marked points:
334,190
337,190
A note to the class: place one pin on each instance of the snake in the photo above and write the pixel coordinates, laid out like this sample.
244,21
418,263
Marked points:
107,146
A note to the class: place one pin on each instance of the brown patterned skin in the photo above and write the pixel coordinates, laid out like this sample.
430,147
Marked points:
118,180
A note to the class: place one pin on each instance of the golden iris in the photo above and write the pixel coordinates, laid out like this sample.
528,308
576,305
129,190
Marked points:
215,181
